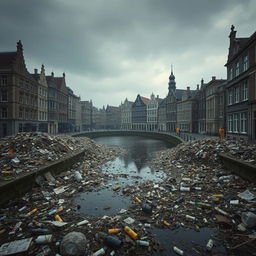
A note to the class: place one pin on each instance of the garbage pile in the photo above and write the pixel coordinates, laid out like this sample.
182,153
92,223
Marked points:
206,151
28,151
37,223
199,193
196,193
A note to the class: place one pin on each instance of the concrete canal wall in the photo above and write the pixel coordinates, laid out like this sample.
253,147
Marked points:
24,183
245,170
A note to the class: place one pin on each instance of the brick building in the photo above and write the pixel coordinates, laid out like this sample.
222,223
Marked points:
241,87
18,94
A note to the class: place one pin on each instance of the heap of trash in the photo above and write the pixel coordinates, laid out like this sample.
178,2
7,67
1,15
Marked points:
196,193
28,151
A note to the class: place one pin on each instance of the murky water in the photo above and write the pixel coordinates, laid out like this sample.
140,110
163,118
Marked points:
133,168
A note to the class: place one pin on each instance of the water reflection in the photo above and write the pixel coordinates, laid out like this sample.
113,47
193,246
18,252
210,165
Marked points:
139,149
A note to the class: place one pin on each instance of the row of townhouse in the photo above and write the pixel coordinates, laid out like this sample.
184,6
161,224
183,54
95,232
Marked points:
230,104
195,111
37,102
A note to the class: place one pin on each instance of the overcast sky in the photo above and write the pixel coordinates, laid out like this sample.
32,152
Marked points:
113,49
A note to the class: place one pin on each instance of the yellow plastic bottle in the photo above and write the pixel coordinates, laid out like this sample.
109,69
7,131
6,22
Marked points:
113,231
58,218
137,199
31,212
217,195
166,223
131,233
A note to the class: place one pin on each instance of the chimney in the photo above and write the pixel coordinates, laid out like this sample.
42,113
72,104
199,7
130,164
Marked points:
64,74
157,96
188,88
52,74
35,71
214,77
197,87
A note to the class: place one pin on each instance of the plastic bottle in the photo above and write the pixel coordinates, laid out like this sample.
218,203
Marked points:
131,233
99,252
137,199
178,251
221,211
166,223
58,218
202,205
217,195
142,243
147,208
78,176
43,239
112,242
190,217
209,245
32,211
179,200
113,231
184,189
39,231
73,243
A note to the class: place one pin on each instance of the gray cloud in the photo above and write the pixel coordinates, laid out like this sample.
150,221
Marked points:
115,48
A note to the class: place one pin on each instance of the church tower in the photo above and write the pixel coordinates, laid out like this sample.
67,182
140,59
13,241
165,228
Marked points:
172,83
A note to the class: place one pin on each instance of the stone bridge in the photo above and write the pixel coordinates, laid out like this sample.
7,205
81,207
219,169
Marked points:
170,138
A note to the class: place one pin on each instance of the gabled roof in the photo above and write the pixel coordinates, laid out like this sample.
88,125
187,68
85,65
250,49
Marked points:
144,99
6,59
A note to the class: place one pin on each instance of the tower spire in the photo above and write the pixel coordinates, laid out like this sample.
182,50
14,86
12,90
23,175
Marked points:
172,83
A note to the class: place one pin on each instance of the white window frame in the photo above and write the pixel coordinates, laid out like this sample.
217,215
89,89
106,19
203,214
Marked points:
230,123
230,97
237,69
244,91
245,63
236,94
235,122
230,73
243,121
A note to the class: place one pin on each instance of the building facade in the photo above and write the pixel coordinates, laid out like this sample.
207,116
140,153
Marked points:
152,108
18,94
113,117
201,96
241,87
42,99
52,105
86,115
139,113
126,115
187,112
214,105
72,109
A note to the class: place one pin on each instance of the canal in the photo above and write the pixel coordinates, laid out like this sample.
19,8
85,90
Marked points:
131,169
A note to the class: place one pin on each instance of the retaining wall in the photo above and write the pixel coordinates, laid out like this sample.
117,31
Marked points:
245,170
24,183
